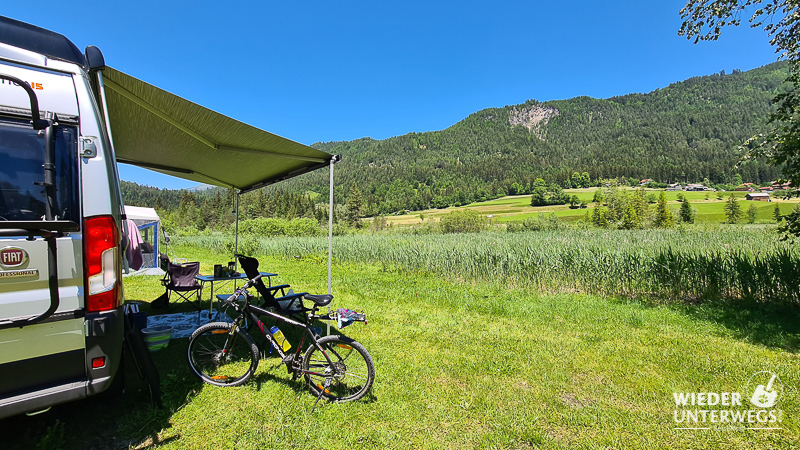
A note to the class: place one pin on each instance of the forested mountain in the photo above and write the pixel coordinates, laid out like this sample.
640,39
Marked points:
688,131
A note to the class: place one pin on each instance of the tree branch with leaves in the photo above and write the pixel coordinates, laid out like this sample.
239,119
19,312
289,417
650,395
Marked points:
703,20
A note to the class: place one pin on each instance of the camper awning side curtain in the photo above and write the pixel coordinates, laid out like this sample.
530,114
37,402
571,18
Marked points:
155,129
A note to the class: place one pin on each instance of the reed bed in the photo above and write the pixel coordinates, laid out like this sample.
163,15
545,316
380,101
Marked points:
671,265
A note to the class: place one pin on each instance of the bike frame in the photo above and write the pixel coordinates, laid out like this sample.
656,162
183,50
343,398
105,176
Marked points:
255,312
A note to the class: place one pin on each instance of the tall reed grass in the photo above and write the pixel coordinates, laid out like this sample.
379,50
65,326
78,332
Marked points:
685,265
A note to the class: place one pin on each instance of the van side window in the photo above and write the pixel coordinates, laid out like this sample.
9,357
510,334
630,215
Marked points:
22,197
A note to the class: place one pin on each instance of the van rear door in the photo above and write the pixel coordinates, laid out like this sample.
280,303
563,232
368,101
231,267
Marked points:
51,353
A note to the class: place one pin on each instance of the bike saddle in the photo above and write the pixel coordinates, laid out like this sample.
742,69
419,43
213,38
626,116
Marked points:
319,300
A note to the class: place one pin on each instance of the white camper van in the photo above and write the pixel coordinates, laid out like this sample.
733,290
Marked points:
61,324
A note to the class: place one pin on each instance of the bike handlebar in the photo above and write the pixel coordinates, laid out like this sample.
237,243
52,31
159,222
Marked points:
251,283
248,285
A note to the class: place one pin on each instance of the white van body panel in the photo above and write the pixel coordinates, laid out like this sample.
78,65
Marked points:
55,90
21,55
42,340
99,172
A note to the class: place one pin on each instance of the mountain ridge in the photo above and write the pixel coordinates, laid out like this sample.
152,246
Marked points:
689,130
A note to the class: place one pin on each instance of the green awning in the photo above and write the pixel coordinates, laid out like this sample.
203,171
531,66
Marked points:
157,130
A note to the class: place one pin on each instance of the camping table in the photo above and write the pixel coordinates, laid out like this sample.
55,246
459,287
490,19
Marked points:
203,279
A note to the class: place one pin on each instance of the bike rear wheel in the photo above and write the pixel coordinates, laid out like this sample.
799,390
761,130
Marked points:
222,356
349,374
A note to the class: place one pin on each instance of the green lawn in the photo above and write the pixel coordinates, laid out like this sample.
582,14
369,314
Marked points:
460,365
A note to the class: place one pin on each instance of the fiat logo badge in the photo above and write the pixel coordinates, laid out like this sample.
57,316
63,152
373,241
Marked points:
13,257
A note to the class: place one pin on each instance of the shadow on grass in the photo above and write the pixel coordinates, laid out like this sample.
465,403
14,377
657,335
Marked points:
111,423
770,325
273,369
131,420
758,323
276,372
102,423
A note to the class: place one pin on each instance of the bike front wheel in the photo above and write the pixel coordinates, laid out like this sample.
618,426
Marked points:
345,375
222,354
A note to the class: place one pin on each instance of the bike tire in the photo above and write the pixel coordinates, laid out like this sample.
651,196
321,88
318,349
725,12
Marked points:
351,374
209,360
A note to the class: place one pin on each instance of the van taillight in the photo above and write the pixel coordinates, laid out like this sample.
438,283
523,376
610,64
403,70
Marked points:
102,263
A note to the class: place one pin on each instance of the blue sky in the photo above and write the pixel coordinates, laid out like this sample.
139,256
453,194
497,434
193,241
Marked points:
331,71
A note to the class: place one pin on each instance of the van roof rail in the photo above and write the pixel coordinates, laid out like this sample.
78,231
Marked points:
38,40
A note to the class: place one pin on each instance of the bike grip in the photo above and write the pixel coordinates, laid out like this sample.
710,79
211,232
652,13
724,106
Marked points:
251,283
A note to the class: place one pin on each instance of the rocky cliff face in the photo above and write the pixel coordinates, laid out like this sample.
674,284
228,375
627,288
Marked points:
532,117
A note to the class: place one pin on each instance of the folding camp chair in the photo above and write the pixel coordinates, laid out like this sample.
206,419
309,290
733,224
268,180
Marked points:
180,279
287,303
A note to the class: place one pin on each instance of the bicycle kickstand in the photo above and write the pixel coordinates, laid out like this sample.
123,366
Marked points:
321,392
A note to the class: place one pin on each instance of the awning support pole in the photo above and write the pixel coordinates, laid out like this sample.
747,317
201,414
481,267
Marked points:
236,243
330,243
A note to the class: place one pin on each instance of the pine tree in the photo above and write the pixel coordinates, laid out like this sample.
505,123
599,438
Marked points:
586,181
355,204
752,213
686,213
630,219
539,196
776,214
664,217
639,202
600,217
733,211
159,205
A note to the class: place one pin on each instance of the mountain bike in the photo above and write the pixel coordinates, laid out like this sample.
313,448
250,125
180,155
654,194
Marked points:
335,367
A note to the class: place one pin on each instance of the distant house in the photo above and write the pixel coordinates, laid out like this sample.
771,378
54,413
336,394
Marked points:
758,196
674,187
780,187
696,187
645,181
747,187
